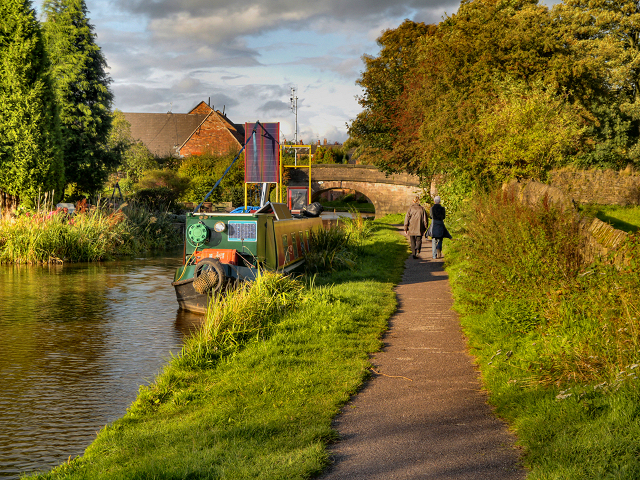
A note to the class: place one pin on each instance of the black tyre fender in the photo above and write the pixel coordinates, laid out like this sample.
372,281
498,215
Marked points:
207,265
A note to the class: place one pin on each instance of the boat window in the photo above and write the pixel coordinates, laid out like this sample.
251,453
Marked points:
306,239
294,243
302,247
285,245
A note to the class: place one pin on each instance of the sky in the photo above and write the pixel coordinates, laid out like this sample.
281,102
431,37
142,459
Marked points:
245,57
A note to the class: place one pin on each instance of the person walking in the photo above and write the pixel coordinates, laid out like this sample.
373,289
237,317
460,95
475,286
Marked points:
416,223
437,230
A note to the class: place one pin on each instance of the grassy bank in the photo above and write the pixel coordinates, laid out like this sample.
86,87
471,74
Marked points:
253,394
625,218
347,206
557,341
52,236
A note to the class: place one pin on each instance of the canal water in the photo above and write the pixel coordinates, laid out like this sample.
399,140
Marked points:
76,343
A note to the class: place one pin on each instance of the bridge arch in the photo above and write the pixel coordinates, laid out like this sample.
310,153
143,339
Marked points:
388,193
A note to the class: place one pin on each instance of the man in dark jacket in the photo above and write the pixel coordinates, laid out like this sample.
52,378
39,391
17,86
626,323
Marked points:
416,223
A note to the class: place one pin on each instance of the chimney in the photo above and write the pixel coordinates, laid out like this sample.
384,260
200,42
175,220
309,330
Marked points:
325,141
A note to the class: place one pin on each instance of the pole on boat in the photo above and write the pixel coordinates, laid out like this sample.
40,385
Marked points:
228,168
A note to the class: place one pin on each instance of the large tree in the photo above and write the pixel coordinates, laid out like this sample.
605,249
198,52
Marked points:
383,81
30,160
82,89
460,77
605,36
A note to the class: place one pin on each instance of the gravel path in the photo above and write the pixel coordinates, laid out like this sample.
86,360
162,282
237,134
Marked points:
423,416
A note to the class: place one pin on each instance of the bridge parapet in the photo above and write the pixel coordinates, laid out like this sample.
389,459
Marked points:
389,193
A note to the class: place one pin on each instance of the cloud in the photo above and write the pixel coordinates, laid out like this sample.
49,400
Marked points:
171,54
220,22
274,106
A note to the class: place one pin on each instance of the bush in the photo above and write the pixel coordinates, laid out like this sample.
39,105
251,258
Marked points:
205,170
156,199
329,250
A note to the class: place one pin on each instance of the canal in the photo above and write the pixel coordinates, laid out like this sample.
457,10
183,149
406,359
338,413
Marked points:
76,343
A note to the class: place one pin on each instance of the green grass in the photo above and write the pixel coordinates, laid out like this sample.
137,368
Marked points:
557,340
623,218
342,206
254,393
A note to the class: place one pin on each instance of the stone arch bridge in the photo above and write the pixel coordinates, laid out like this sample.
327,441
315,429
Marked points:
389,193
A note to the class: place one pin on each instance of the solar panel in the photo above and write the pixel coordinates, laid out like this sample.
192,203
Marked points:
262,154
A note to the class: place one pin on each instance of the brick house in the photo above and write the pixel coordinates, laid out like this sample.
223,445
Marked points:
201,130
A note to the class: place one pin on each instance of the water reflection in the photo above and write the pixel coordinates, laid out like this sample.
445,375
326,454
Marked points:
76,342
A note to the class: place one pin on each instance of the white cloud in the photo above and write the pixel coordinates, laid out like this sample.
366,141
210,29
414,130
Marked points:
245,56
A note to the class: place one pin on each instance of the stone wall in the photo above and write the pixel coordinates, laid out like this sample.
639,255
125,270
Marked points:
606,187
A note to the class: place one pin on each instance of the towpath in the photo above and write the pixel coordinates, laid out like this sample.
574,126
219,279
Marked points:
423,414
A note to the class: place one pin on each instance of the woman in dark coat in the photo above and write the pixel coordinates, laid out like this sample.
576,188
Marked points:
415,225
437,230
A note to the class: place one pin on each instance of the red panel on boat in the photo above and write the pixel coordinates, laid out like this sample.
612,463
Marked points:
224,255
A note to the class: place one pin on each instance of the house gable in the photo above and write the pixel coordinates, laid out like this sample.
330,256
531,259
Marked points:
216,134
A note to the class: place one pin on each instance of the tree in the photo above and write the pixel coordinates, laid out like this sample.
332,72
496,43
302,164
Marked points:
205,170
30,159
460,76
525,133
383,82
82,91
134,158
605,35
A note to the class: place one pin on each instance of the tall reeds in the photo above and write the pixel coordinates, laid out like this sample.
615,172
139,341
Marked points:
51,235
239,315
336,249
520,273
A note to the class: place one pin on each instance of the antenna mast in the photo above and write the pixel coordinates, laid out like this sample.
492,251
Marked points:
294,108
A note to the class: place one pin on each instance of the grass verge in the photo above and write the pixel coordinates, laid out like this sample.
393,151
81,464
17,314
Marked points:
557,340
625,218
253,396
348,206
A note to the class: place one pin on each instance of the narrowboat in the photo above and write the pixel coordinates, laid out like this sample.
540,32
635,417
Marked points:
222,249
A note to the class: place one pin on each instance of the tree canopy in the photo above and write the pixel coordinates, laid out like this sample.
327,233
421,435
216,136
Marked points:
82,91
30,159
505,89
383,83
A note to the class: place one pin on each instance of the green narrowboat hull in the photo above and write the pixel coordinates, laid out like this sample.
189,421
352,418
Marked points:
222,249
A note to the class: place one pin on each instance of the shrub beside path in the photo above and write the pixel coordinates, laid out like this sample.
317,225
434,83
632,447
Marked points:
423,414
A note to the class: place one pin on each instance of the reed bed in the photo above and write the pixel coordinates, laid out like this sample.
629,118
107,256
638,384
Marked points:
337,249
53,236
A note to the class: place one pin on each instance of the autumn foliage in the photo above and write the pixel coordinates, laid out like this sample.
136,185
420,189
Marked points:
504,89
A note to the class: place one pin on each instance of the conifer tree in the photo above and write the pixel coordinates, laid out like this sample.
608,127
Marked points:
82,90
30,160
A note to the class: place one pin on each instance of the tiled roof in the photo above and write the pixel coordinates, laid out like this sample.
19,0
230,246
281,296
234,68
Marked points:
162,133
235,129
